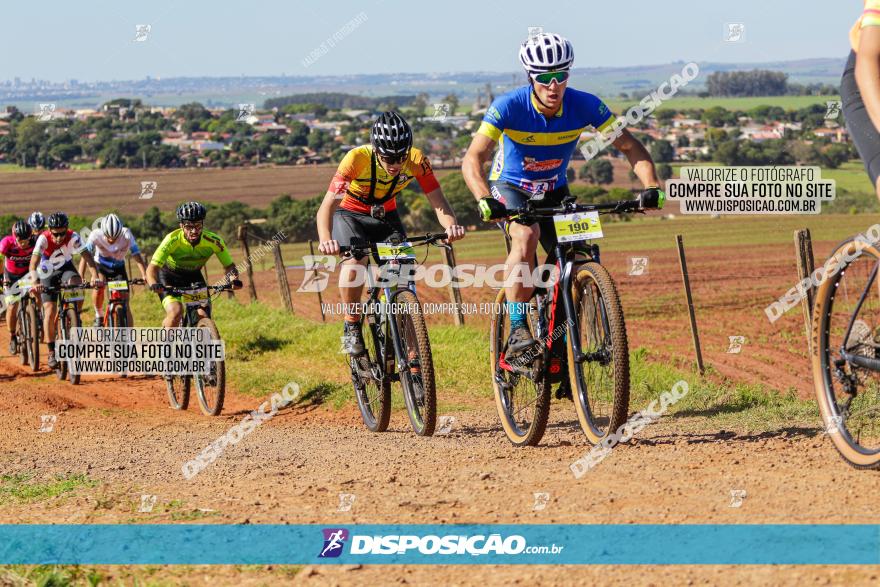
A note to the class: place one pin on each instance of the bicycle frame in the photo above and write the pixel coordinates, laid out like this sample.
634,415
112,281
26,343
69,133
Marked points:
390,292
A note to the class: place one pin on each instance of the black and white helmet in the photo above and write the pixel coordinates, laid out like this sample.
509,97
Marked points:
546,52
22,230
37,221
191,212
111,226
391,135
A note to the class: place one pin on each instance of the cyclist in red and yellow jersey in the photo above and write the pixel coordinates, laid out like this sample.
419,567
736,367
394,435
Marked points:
360,204
860,89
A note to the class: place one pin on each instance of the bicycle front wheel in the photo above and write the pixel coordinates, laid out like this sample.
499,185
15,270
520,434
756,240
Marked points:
33,336
522,392
601,381
846,354
372,384
211,387
21,335
417,373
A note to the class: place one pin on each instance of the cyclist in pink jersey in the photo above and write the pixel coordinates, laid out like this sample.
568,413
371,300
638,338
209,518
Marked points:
17,249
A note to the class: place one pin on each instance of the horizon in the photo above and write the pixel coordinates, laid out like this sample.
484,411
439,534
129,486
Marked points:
286,40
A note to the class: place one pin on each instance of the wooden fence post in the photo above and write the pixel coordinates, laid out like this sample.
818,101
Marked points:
281,274
690,302
454,292
242,237
305,276
803,247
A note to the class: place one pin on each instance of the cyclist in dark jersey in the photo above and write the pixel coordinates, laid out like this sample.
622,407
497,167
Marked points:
536,129
16,249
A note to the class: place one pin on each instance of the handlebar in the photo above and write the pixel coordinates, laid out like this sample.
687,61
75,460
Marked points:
428,239
213,289
530,210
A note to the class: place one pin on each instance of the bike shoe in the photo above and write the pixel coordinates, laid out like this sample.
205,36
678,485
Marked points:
99,321
51,361
352,339
13,346
519,340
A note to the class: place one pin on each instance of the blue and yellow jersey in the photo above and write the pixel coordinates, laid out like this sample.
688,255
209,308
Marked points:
534,151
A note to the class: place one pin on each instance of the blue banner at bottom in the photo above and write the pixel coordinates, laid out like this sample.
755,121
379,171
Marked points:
137,544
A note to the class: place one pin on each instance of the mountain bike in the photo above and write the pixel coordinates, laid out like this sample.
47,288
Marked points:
66,320
588,353
29,328
845,345
393,328
116,315
210,387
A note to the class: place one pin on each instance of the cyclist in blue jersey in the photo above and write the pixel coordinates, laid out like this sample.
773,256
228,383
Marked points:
536,129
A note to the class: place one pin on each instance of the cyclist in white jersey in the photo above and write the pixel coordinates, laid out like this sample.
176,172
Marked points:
110,244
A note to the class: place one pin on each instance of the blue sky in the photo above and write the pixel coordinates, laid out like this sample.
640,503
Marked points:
94,40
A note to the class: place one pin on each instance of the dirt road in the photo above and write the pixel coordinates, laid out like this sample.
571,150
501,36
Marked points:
122,436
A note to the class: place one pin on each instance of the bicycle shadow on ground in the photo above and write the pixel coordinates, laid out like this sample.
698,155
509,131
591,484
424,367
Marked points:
310,400
794,432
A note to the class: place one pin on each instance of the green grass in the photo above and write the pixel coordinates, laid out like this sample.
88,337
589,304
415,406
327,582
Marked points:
268,348
746,103
22,488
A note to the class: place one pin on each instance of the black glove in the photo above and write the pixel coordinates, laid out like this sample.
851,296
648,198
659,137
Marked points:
237,284
652,199
491,209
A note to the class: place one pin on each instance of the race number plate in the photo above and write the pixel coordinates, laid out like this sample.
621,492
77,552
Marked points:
72,295
389,251
194,297
117,285
577,227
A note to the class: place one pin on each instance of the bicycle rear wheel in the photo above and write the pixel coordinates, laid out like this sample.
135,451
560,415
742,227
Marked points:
178,387
846,355
211,388
522,396
601,383
372,384
72,321
417,375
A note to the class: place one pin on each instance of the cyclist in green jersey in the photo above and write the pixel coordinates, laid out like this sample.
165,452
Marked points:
178,261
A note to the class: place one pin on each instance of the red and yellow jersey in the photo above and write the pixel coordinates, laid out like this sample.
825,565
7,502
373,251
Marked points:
870,17
354,179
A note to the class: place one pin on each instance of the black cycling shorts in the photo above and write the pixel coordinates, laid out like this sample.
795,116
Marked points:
361,228
179,279
514,197
62,275
112,273
858,123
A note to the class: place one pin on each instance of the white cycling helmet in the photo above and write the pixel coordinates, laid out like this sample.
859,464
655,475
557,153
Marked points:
111,226
546,52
